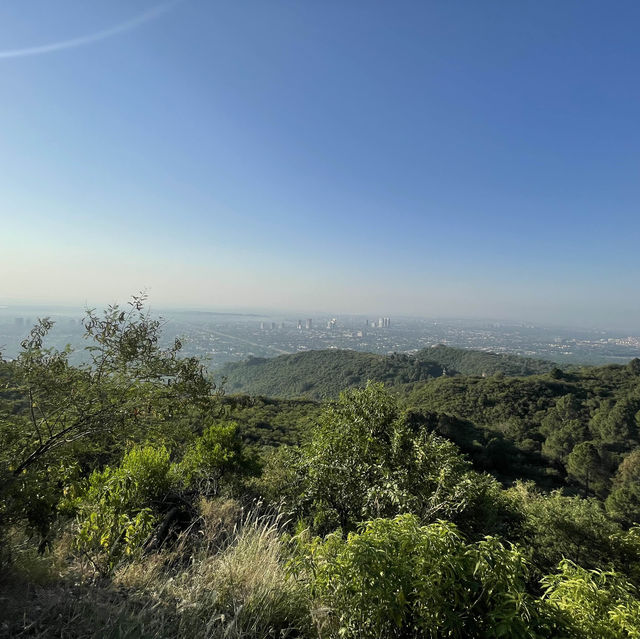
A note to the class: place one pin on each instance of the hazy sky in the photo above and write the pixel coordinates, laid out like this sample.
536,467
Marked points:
477,158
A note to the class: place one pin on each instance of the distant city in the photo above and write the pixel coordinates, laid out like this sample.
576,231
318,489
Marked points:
223,337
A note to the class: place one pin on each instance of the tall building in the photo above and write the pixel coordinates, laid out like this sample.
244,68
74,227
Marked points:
309,324
299,324
273,326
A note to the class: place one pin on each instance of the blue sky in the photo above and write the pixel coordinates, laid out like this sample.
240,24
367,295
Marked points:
474,159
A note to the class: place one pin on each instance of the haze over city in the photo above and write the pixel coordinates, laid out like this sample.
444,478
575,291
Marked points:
421,158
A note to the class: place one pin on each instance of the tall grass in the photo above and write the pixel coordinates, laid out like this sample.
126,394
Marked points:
226,577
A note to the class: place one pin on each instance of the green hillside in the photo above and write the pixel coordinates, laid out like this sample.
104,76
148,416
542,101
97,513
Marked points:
586,417
268,422
323,374
465,361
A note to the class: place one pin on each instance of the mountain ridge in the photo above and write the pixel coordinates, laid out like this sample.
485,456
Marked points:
320,374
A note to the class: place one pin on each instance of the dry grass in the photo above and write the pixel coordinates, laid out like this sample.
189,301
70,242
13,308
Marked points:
227,579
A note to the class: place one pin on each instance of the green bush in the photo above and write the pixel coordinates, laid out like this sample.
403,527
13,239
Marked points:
558,527
368,459
216,456
397,578
599,605
119,507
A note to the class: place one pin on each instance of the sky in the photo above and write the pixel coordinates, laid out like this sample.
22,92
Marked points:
449,158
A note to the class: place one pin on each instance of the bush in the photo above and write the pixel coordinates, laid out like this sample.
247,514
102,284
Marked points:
368,459
119,507
599,605
557,527
397,578
216,456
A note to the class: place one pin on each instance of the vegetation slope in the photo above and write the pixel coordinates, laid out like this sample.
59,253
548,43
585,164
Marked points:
136,500
325,374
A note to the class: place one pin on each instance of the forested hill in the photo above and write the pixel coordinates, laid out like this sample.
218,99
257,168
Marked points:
323,374
583,422
465,361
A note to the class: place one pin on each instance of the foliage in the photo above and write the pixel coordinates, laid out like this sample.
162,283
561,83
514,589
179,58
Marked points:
118,464
396,578
119,507
216,456
268,422
367,459
584,464
556,527
324,374
465,361
624,501
599,604
130,388
544,418
282,479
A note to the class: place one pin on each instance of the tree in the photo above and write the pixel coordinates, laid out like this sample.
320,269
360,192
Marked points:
129,386
584,464
563,428
557,527
368,459
634,366
624,501
618,422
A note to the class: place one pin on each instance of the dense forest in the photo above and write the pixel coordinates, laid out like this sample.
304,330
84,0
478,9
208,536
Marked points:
325,374
141,499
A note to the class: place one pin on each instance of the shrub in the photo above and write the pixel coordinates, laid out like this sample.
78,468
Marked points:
558,527
600,605
397,578
368,459
216,456
118,510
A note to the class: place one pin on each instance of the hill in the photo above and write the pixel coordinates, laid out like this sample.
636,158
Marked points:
594,409
465,361
324,374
